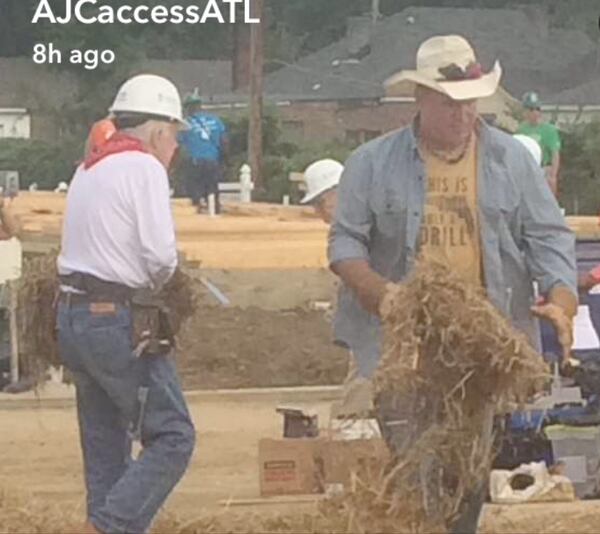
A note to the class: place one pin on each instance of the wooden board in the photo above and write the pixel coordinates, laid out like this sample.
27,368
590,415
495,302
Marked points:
254,236
278,500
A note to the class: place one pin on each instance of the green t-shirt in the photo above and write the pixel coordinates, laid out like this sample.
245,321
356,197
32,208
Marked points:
546,135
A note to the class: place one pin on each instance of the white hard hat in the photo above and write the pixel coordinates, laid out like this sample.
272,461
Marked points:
532,145
321,176
151,95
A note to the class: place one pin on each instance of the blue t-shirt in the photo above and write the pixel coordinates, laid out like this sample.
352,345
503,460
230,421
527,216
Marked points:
203,139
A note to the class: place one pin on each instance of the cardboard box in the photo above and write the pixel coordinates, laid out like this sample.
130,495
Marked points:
307,466
361,456
290,466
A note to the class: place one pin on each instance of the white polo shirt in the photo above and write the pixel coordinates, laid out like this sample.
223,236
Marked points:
118,223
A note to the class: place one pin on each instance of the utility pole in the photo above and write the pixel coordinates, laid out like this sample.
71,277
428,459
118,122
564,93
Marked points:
241,53
375,13
257,61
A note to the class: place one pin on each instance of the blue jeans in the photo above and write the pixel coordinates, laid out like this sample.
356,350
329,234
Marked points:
123,494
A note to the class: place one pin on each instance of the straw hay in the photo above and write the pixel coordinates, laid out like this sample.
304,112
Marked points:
451,361
36,315
22,513
25,513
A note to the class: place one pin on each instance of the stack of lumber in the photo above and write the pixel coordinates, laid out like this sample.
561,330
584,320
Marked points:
246,236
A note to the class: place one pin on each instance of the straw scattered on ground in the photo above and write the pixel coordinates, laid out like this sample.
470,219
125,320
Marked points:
22,513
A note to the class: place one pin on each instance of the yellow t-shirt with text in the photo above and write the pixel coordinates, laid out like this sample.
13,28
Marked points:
450,228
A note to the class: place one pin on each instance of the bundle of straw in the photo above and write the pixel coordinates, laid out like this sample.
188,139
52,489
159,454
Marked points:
451,361
36,317
36,313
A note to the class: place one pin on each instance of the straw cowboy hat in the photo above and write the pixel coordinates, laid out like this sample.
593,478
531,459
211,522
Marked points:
447,64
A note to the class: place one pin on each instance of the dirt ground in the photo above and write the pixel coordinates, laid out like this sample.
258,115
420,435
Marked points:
41,453
271,289
234,348
268,337
41,458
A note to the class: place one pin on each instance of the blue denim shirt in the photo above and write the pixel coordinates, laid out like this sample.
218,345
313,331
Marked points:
382,193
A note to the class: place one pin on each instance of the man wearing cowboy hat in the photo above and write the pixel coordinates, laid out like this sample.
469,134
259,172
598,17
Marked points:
455,189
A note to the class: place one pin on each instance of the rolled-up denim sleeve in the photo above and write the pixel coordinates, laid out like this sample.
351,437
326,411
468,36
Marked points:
351,228
550,244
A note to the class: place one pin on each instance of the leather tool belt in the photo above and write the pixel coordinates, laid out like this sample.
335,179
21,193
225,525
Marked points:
152,330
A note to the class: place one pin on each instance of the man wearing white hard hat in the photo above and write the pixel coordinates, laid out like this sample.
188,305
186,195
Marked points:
322,178
118,240
451,188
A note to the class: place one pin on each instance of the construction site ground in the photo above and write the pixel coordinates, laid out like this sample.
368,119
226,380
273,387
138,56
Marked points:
270,261
41,458
271,335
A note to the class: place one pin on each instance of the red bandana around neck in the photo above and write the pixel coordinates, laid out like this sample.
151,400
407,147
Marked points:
118,142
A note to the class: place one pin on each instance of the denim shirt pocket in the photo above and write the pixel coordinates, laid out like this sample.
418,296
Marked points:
390,214
499,193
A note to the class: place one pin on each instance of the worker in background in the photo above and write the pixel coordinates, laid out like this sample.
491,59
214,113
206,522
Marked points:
9,229
119,240
205,146
406,194
546,135
322,178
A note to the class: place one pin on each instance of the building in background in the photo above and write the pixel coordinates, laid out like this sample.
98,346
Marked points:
337,92
577,105
15,123
32,97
